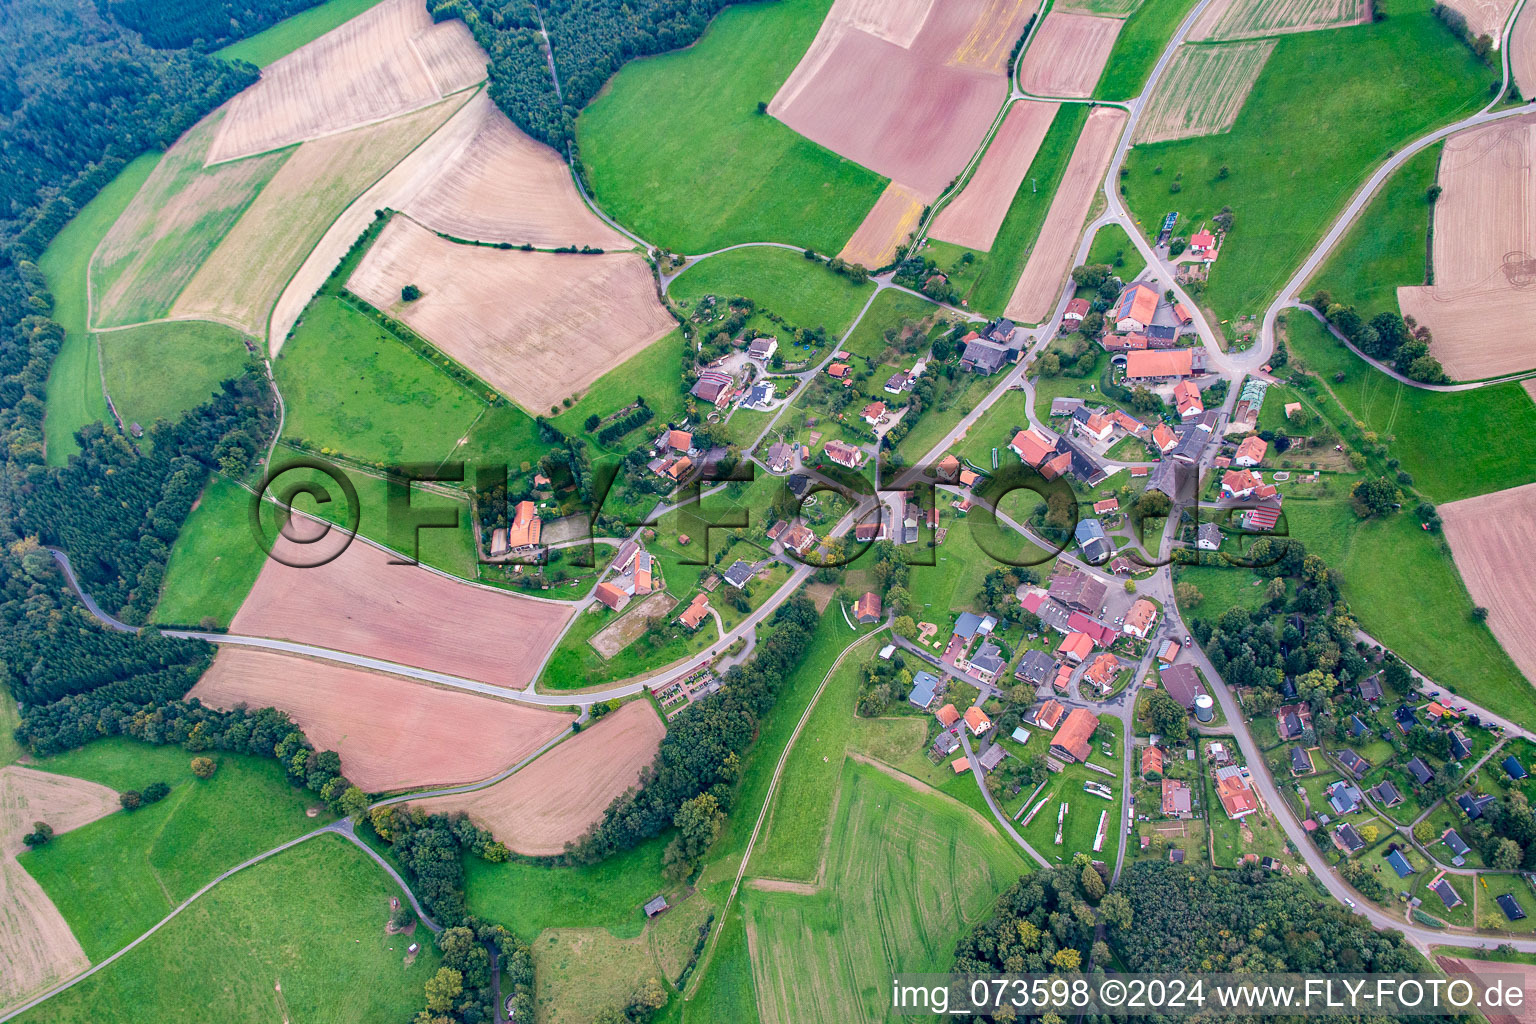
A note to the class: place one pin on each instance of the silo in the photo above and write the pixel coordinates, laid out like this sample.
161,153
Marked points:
1205,708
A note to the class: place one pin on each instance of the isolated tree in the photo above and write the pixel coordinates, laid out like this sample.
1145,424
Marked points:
40,834
905,627
155,792
410,293
1167,716
1506,855
130,800
1479,614
1375,497
204,767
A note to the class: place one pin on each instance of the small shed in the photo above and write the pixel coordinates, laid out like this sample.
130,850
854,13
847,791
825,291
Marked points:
656,906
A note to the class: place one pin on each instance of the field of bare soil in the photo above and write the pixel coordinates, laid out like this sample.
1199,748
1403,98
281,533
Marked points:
1202,90
242,279
974,216
1480,306
1245,19
1484,17
538,326
554,800
362,603
908,89
37,948
1492,536
391,733
1034,297
1522,52
499,185
1067,55
387,61
893,217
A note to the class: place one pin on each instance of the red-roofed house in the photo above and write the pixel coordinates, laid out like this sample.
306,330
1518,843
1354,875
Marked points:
1031,446
1063,678
1099,426
837,371
976,720
680,441
1102,672
1136,307
523,533
873,411
1139,620
1106,506
867,608
1049,714
1124,342
1165,439
1251,452
1128,423
1237,796
844,454
694,614
1239,483
1055,467
1152,364
610,595
1072,319
1182,312
1202,242
1076,646
1151,760
1071,741
947,715
1100,634
1187,398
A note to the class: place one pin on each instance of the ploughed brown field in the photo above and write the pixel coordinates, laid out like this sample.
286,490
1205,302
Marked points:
37,949
1522,52
973,218
537,326
1480,307
1040,286
1484,17
887,225
1482,974
1492,537
499,185
391,733
361,603
553,801
908,88
386,61
1067,54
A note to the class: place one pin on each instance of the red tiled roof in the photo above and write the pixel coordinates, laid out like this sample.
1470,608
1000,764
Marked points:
1253,448
1072,738
1050,714
1177,362
525,527
947,715
1031,446
1079,645
609,595
679,440
695,612
976,720
1151,760
1139,303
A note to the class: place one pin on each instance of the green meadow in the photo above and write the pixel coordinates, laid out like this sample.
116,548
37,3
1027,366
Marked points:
160,371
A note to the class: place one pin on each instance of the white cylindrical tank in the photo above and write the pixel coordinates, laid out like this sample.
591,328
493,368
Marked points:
1205,708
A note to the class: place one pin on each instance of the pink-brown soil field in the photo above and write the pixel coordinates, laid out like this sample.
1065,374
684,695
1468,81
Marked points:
1522,51
361,603
907,88
887,225
974,216
1248,19
553,801
37,948
386,61
1483,974
1484,17
1492,537
538,326
1034,297
1480,307
391,733
499,185
1067,55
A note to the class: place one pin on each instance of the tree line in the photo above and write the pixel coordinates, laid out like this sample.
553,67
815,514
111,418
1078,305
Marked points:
199,24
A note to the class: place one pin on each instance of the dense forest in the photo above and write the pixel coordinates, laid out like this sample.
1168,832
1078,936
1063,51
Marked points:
590,40
199,24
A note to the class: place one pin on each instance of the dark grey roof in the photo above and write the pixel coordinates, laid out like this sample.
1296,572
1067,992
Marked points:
656,906
1420,771
1386,794
1300,762
1356,764
985,356
1458,845
739,573
1350,838
988,659
1511,907
1036,666
1460,747
1370,688
1472,806
1513,766
1448,895
1399,864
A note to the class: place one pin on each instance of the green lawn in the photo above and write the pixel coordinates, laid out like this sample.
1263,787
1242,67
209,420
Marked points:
886,313
802,291
575,664
159,371
10,718
1455,444
726,991
655,375
907,871
74,384
261,946
1141,41
1021,227
114,878
1083,808
1367,89
351,386
1489,888
674,146
955,397
214,562
1388,244
1113,246
289,34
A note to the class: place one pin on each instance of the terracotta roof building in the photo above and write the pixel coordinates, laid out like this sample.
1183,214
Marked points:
1071,741
867,608
694,614
1049,714
1151,760
976,720
1151,364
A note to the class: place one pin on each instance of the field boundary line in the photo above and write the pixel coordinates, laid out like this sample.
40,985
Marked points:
773,785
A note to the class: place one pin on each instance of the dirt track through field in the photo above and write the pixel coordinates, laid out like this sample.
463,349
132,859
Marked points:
537,326
1247,19
1034,297
502,186
391,733
906,88
362,603
37,948
976,214
1203,90
553,801
886,226
1492,537
386,61
1068,54
1480,307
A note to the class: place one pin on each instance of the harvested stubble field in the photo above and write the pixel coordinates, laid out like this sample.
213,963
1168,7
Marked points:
391,733
1484,17
906,89
1522,52
973,218
499,185
1491,537
1067,55
539,326
1203,90
175,221
364,603
890,221
554,800
385,62
624,630
1245,19
242,279
36,945
1484,295
1034,298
